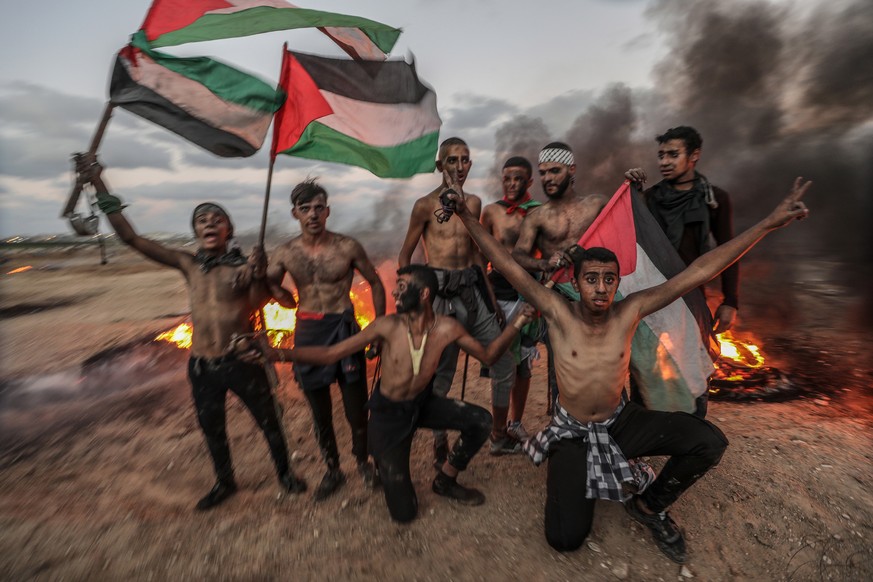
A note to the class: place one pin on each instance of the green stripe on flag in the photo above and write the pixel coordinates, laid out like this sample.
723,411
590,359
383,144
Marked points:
268,19
222,80
320,142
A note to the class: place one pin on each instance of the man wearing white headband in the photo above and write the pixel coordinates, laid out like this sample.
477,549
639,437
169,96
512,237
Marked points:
556,225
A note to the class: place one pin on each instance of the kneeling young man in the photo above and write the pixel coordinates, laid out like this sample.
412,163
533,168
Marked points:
594,429
412,341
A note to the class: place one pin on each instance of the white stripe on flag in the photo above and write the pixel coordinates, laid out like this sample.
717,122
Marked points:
674,326
382,124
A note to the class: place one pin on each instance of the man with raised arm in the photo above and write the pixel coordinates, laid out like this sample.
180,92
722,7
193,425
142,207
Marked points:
503,220
404,399
221,307
322,264
464,292
594,430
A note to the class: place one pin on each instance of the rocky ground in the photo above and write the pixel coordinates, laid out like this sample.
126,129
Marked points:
100,465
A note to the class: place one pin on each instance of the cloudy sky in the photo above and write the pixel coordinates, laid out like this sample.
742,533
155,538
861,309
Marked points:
487,60
778,89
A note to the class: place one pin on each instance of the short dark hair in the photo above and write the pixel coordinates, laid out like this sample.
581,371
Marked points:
518,162
596,254
306,191
557,145
423,275
689,136
448,142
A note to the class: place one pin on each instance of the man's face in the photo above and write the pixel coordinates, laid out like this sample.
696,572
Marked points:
556,178
516,181
212,230
456,160
675,163
407,295
597,284
312,214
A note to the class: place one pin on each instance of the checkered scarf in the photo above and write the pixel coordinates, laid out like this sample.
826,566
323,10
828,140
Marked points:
607,466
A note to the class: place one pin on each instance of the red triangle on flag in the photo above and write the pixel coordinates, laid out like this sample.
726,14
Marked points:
614,229
303,105
168,15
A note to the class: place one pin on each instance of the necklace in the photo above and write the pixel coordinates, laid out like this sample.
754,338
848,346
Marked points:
417,354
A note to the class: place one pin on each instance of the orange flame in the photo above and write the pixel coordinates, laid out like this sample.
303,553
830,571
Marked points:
280,321
19,270
740,351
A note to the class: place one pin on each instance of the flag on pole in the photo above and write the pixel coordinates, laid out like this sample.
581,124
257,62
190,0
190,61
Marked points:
372,114
213,105
673,349
175,22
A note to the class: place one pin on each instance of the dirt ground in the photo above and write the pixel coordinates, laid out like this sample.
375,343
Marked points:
100,465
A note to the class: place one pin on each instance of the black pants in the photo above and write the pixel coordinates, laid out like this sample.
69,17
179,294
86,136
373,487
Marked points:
695,446
354,402
210,381
437,412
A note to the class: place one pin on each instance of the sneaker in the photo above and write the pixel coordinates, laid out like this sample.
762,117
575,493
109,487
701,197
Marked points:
291,483
219,493
449,487
331,481
506,445
369,475
667,534
515,429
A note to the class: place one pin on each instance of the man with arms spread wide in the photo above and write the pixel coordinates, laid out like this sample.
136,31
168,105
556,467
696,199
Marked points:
502,220
464,292
322,265
220,309
404,400
594,429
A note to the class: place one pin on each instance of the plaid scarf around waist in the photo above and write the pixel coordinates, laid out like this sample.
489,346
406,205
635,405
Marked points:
608,468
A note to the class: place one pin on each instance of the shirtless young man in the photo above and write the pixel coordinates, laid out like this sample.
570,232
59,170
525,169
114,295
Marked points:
322,265
404,400
502,220
561,221
464,293
219,309
591,340
556,225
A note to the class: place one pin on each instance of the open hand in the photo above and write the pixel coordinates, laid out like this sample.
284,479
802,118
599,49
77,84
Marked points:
791,208
637,175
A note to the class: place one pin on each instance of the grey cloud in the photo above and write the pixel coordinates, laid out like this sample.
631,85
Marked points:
477,111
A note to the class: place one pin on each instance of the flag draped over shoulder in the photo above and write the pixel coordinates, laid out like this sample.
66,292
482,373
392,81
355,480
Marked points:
175,22
217,107
372,114
672,351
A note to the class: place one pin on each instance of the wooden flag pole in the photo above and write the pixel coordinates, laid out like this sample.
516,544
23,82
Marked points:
95,143
266,202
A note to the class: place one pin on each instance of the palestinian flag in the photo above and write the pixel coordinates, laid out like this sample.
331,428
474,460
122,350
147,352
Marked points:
673,349
217,107
373,114
175,22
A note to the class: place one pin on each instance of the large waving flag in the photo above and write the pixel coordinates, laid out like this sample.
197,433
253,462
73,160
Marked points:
217,107
673,349
372,114
175,22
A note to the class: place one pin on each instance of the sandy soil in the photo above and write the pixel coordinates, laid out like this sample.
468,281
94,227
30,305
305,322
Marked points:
100,465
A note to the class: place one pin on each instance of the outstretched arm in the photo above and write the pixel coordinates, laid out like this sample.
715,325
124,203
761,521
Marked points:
92,171
541,298
709,265
490,353
322,356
